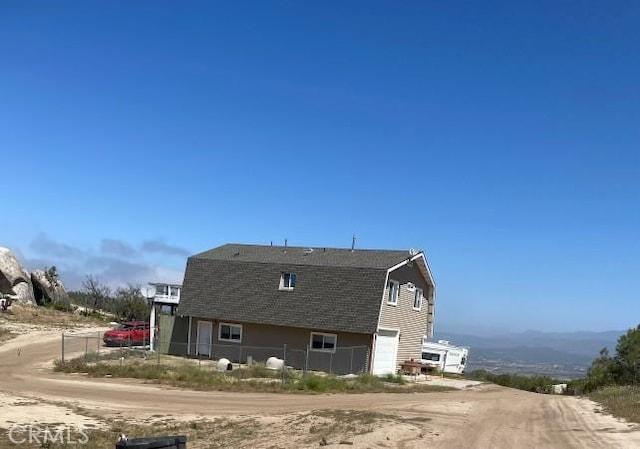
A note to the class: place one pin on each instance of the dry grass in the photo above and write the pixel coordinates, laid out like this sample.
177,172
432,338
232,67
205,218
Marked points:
5,335
218,433
623,402
185,374
35,315
319,427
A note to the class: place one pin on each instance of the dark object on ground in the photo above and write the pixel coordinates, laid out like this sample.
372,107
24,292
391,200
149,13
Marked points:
5,303
173,442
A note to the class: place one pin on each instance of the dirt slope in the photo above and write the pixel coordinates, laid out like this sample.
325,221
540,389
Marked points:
484,417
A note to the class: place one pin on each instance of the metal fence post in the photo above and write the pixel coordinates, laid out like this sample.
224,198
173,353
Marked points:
351,362
86,347
306,359
63,348
98,347
331,363
284,360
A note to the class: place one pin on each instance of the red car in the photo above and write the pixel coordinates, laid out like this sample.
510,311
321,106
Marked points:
132,333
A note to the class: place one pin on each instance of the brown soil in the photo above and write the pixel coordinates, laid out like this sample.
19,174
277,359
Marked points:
481,417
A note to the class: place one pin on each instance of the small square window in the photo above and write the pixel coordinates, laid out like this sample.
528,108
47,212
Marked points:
287,281
230,332
323,342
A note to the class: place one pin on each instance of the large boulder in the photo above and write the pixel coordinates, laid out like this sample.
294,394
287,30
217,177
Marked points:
46,289
15,281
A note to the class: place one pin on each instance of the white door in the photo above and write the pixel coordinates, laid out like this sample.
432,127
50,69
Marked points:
205,330
384,358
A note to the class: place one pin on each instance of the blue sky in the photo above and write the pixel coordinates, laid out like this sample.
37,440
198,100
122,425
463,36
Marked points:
500,137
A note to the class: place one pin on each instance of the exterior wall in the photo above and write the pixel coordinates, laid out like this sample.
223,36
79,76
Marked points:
179,336
263,341
413,324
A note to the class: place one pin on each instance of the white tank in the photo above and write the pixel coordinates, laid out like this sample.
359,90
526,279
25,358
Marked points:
224,365
275,363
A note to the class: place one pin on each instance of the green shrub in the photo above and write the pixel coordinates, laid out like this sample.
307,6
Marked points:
394,379
539,384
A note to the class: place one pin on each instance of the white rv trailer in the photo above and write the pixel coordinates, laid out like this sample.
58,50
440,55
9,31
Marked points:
444,356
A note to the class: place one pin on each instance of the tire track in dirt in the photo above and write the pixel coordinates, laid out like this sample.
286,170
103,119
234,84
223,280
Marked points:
485,417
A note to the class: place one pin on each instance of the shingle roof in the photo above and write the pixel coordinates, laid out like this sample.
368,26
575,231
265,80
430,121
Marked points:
326,257
336,289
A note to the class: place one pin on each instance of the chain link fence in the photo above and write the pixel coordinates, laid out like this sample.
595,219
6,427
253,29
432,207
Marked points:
343,360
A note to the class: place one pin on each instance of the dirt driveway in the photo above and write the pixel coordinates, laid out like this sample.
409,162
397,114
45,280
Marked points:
482,417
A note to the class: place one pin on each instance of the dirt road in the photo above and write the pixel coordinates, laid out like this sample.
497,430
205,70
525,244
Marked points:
484,417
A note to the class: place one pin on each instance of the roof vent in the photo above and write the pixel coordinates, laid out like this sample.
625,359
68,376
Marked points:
413,252
236,254
308,251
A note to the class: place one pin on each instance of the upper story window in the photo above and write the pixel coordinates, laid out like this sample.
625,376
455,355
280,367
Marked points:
167,290
418,297
287,281
394,290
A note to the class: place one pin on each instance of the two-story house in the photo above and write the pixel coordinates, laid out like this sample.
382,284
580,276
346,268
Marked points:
321,299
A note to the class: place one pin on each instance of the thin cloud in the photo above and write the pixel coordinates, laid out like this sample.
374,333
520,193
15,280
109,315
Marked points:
46,246
116,247
161,247
115,263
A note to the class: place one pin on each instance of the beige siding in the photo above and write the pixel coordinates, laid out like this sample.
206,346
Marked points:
413,324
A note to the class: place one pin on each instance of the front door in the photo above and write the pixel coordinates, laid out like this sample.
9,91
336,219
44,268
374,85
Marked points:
205,331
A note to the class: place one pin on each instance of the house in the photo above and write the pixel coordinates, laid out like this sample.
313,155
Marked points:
351,310
164,302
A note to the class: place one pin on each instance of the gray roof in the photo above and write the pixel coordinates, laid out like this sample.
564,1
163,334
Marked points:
336,289
299,255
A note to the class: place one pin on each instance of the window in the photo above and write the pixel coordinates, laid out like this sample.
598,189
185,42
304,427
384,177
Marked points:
323,342
230,332
175,291
162,290
394,288
287,281
168,309
431,356
417,299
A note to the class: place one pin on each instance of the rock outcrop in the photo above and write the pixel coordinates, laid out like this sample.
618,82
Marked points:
15,281
46,289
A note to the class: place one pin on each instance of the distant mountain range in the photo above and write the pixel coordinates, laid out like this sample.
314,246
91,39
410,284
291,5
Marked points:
560,354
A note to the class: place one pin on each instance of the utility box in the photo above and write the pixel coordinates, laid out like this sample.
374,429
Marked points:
172,442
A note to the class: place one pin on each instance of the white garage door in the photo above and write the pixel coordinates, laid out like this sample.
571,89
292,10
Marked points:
384,359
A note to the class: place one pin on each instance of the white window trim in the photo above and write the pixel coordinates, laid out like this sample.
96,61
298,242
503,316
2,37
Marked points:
421,292
311,348
391,281
230,339
282,287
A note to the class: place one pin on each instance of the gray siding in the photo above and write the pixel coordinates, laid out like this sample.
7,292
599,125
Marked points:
413,325
262,341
